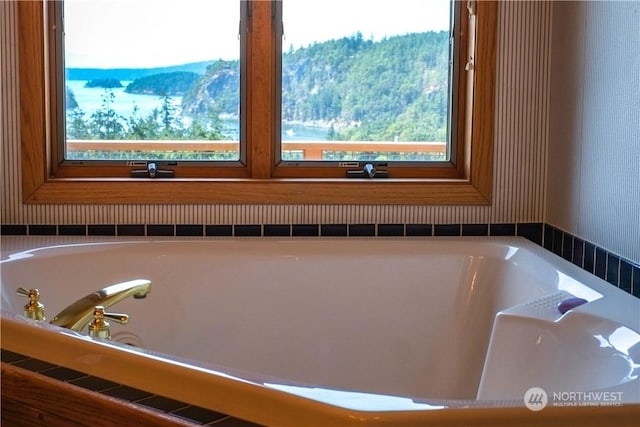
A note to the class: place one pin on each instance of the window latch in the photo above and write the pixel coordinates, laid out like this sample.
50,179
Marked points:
368,171
152,171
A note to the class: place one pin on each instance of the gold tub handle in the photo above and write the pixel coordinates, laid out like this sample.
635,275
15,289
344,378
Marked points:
99,327
34,309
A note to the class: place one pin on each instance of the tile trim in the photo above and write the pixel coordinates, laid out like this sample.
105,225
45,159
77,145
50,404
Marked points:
617,270
108,388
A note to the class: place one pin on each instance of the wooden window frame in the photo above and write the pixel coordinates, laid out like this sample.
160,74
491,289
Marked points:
42,181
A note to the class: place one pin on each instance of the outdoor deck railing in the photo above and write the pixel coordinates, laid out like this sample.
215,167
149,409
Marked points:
311,150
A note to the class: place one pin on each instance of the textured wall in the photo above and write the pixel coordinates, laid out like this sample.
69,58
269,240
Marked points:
522,100
594,139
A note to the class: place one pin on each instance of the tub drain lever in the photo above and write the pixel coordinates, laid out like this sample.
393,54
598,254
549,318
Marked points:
99,327
34,309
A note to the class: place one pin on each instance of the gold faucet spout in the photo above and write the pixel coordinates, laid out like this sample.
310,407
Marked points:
77,315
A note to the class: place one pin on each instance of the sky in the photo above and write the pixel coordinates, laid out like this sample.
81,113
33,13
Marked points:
152,33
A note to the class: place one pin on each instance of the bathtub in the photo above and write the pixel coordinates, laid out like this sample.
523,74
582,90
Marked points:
324,332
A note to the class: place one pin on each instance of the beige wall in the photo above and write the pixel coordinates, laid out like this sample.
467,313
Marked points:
520,150
567,137
594,139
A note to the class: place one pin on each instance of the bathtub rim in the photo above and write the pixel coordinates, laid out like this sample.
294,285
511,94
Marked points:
267,407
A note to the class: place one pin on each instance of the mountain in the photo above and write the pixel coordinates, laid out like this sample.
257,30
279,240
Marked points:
219,89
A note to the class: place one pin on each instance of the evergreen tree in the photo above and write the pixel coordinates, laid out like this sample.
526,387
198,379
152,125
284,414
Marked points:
77,125
105,122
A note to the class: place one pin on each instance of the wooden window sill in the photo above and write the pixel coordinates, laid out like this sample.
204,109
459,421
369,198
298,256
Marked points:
260,191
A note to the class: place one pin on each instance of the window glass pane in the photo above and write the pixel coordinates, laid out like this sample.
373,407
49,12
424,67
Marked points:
366,80
161,77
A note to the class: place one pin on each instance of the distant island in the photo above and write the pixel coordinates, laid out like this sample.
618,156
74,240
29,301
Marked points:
130,74
172,84
104,83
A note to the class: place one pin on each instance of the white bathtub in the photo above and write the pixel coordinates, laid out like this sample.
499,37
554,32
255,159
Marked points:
334,331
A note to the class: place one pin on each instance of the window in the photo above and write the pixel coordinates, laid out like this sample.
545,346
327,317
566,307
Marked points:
265,168
163,87
375,86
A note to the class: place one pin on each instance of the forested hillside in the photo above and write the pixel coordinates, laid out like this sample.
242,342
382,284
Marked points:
172,84
392,89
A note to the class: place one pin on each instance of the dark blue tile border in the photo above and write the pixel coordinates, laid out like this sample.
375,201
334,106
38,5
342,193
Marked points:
94,383
170,407
613,269
446,230
475,229
63,374
533,231
389,230
276,230
608,266
594,259
417,230
198,414
130,230
502,229
334,230
601,263
127,393
158,230
13,230
589,261
72,230
567,247
558,238
34,365
548,233
362,230
578,252
189,230
626,276
101,230
305,230
247,230
161,403
43,230
218,230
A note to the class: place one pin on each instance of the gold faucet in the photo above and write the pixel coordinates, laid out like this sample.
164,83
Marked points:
77,315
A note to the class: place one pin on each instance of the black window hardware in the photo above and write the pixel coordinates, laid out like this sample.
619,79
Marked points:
152,171
369,170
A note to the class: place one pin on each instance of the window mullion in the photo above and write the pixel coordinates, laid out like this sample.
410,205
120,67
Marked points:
261,77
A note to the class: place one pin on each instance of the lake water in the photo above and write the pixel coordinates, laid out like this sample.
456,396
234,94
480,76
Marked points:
90,100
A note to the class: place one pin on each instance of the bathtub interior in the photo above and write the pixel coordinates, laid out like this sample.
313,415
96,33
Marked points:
391,318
